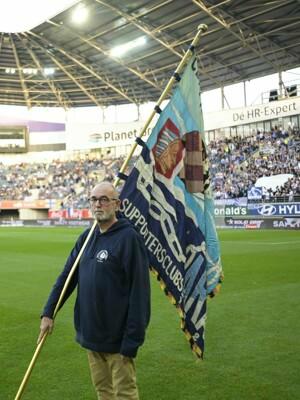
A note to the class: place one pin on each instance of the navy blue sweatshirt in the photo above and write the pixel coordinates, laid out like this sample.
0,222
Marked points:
112,308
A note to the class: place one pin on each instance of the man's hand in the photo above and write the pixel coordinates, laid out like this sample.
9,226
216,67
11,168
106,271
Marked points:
47,324
217,289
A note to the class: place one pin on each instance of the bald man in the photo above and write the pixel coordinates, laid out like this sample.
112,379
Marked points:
112,308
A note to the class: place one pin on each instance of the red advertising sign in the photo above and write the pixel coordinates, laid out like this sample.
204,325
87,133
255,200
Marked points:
17,204
70,213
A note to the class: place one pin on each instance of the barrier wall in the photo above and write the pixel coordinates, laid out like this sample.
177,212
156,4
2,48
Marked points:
258,216
233,214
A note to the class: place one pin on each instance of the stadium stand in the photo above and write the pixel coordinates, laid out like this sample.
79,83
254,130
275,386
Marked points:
236,164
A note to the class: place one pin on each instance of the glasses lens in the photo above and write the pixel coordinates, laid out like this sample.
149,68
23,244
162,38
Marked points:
103,200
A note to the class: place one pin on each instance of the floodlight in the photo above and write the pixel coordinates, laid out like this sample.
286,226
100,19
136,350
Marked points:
10,70
49,71
120,50
80,14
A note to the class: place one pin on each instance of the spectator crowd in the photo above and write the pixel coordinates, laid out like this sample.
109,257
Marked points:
60,180
236,163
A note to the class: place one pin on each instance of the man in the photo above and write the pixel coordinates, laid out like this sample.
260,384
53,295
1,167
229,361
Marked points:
112,307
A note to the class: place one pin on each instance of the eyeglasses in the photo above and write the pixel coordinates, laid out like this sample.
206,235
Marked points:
103,200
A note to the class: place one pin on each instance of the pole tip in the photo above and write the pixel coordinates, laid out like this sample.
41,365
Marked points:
202,27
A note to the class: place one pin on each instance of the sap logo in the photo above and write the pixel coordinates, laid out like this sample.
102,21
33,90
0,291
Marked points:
287,223
102,256
267,210
292,222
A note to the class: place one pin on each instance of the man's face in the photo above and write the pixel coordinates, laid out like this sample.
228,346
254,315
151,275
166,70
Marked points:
104,203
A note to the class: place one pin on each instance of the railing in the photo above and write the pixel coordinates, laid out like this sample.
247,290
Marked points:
278,199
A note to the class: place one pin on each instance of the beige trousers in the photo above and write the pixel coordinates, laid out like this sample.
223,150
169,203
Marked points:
113,376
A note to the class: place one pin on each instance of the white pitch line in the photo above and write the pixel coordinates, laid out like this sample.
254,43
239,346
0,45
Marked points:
281,243
262,243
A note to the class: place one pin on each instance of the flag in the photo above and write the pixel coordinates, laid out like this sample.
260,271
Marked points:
167,197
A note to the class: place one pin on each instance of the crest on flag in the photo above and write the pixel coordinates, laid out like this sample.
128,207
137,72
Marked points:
167,197
168,149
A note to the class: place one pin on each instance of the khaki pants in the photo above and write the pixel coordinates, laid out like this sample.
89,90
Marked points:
113,377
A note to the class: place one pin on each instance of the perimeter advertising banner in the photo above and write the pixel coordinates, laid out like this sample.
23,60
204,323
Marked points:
259,210
70,213
33,204
245,223
222,211
252,114
263,223
91,135
276,209
47,223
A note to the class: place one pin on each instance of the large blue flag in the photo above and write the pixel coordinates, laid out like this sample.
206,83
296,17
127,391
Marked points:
167,197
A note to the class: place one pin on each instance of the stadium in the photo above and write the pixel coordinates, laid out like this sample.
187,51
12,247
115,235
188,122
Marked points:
79,82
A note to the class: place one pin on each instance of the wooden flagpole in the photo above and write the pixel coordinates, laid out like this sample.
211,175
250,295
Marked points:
201,29
42,341
188,54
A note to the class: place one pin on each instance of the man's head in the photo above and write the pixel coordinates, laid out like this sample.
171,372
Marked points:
104,201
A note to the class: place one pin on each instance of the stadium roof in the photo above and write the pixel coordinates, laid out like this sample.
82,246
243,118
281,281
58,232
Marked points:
59,63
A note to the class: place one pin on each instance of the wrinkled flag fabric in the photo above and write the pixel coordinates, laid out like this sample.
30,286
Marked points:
167,197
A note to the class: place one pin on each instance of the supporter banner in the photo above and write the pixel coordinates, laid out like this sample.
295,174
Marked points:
278,209
83,213
17,204
271,182
175,217
255,193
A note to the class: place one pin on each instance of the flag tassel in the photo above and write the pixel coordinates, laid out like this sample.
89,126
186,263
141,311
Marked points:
194,347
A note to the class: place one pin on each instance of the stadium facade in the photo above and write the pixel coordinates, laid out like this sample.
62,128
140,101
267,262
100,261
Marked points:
73,134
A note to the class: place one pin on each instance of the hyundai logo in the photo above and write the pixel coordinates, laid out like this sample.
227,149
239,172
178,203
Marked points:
267,210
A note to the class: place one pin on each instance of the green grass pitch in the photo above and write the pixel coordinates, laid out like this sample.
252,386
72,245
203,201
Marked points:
252,335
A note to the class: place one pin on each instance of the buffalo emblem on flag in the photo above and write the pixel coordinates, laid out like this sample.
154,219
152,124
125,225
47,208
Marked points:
168,150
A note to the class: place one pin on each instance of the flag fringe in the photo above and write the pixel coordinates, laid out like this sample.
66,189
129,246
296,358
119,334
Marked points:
194,347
